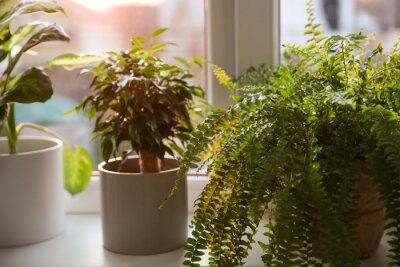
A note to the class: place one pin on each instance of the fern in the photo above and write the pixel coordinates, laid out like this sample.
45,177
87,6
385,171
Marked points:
384,160
291,146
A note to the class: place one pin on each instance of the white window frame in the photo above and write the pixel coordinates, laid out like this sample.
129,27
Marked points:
240,34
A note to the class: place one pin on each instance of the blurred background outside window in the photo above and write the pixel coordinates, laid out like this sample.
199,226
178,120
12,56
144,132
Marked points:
107,25
380,17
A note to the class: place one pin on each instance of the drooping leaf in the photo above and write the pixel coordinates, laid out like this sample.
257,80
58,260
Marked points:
21,34
49,33
77,169
33,85
10,9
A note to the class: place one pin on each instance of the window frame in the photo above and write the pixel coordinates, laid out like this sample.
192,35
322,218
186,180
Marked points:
230,34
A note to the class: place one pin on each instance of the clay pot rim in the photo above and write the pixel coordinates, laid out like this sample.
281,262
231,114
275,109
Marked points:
102,168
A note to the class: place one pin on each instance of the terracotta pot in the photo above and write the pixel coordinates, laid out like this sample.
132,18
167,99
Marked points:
132,221
31,191
371,215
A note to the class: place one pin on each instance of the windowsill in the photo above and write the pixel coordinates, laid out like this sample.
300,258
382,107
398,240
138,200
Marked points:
81,245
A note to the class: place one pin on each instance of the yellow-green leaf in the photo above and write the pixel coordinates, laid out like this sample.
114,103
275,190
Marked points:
77,169
158,32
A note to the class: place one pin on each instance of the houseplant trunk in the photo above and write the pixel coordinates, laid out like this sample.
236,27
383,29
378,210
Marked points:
133,223
31,191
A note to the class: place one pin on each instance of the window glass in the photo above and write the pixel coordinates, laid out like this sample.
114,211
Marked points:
378,17
105,25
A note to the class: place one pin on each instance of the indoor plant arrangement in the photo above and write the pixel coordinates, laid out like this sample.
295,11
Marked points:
142,106
31,185
303,142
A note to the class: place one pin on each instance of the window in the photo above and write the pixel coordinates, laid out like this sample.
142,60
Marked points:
104,25
379,17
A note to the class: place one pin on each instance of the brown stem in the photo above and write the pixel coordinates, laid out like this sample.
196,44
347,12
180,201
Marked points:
148,162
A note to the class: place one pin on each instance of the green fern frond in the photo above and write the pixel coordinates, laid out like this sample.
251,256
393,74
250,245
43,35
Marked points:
384,160
313,29
222,77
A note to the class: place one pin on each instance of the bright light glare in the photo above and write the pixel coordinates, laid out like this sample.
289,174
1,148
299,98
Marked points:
101,5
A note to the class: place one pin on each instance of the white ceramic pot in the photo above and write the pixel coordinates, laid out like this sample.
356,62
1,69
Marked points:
132,221
31,191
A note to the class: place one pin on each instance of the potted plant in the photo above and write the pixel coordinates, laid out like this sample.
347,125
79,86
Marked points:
315,144
142,103
31,181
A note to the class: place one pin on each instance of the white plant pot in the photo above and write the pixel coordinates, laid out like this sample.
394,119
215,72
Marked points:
31,191
132,221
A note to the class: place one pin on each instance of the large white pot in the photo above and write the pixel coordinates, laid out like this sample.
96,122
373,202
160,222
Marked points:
31,191
132,221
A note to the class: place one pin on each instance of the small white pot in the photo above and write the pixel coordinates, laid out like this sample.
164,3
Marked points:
132,221
31,191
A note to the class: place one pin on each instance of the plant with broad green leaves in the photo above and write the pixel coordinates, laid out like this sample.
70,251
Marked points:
33,84
138,99
292,146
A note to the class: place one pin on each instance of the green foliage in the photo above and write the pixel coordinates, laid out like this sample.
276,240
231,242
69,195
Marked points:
291,145
32,84
138,99
78,167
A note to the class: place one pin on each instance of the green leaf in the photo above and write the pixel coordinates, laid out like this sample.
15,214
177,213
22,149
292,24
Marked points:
71,61
237,98
160,46
199,61
3,113
71,111
21,34
138,41
176,148
10,9
49,33
33,85
107,148
91,112
183,61
77,169
5,35
158,32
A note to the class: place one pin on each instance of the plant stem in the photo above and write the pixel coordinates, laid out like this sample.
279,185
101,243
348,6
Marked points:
149,162
12,135
11,132
39,128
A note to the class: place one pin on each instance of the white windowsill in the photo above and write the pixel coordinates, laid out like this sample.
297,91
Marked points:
81,246
81,243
